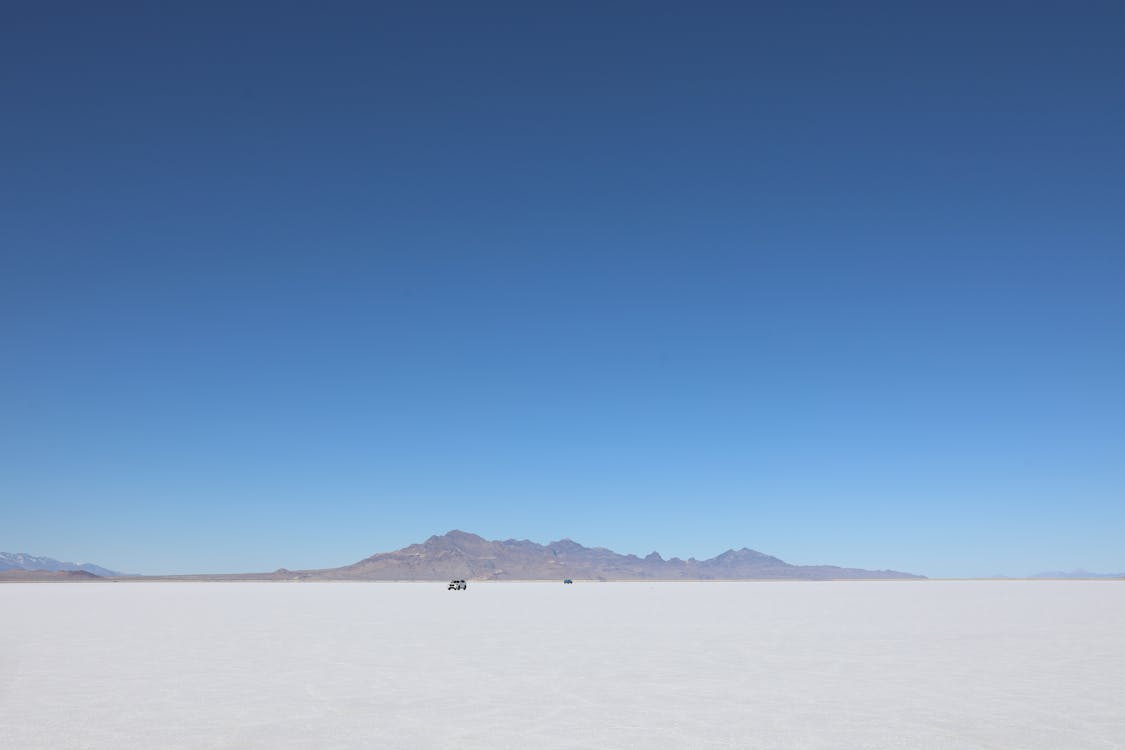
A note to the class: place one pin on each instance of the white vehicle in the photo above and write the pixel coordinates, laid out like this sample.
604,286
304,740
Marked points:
458,585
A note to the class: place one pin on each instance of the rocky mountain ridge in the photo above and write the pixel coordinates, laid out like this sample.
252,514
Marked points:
24,561
459,554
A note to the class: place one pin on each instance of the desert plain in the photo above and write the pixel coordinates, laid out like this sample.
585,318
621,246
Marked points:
840,664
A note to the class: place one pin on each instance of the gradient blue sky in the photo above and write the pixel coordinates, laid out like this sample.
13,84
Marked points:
285,284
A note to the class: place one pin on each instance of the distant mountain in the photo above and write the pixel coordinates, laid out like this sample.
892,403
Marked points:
1077,574
19,574
24,561
459,554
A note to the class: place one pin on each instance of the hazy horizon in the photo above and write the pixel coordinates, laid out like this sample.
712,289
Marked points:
1065,571
285,286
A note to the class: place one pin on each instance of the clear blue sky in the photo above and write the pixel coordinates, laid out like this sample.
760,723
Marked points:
286,284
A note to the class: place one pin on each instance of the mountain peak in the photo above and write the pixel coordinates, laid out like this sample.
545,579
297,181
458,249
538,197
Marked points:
458,535
746,556
455,540
566,543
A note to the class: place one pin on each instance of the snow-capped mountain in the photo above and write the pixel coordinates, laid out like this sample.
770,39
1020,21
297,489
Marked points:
24,561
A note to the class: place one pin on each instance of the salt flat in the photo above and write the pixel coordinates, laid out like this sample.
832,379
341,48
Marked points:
928,664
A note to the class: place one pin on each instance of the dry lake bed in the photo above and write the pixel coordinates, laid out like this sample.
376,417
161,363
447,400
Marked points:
912,664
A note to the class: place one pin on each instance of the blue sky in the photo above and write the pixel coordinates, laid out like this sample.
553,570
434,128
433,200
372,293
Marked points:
285,286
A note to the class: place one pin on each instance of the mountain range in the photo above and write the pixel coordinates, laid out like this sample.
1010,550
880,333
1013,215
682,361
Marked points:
1077,574
24,561
459,554
43,576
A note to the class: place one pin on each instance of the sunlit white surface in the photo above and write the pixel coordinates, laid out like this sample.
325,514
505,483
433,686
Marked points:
931,664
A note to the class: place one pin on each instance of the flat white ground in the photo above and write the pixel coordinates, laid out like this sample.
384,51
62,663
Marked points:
932,664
